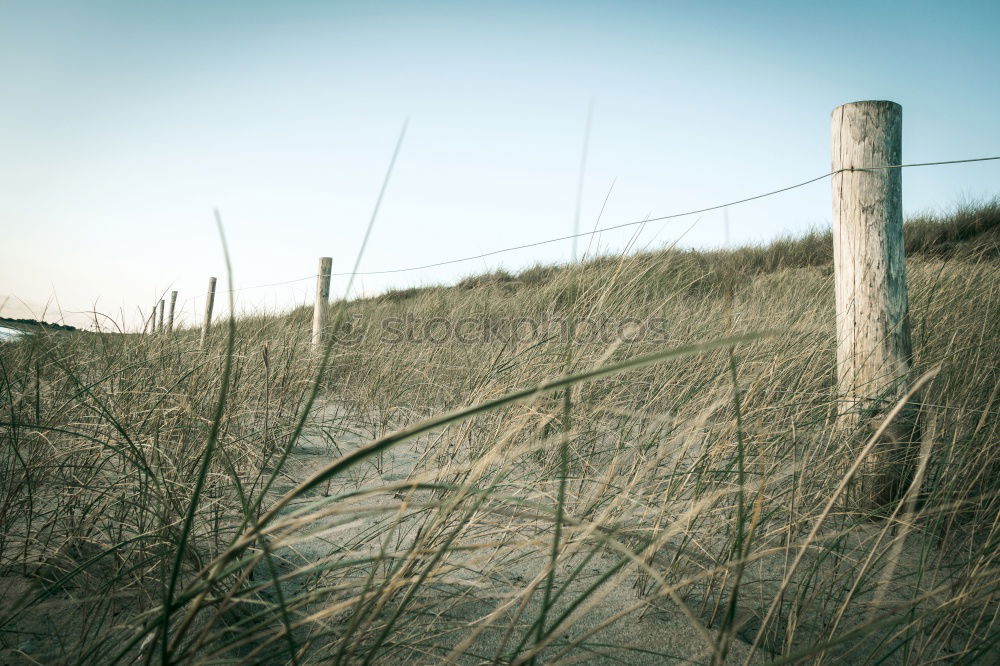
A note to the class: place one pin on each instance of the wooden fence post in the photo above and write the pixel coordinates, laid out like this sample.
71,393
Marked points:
159,320
170,318
874,350
209,302
322,298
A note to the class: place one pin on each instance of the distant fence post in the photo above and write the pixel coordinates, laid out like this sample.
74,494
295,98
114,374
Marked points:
209,302
159,320
322,297
170,317
874,350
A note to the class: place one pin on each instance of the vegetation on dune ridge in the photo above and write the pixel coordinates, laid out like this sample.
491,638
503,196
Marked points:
29,324
679,495
972,229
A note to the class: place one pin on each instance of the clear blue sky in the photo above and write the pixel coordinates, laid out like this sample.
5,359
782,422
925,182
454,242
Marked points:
123,124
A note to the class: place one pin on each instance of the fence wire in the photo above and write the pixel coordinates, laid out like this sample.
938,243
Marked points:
596,230
599,230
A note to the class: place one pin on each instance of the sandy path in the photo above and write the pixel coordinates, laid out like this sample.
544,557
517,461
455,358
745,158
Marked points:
488,585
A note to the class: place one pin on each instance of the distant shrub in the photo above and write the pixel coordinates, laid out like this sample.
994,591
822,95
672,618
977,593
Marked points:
498,277
536,275
396,295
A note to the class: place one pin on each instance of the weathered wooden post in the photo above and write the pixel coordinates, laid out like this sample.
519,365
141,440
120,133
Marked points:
170,317
874,351
159,318
209,302
322,298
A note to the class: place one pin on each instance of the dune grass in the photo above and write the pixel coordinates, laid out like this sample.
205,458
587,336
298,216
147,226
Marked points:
630,459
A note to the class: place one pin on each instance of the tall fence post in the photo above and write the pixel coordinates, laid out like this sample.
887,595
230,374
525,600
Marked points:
322,298
159,319
170,317
209,302
874,350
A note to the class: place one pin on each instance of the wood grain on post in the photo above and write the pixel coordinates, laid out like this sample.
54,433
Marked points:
874,350
159,319
322,298
170,316
209,302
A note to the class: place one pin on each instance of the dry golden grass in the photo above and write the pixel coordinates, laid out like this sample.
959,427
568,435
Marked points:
679,495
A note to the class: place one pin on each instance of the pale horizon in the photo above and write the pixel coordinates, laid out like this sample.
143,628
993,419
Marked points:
126,125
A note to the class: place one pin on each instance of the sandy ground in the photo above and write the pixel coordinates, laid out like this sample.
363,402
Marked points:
469,611
636,632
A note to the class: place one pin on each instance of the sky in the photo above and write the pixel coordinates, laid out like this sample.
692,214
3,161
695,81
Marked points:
123,125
